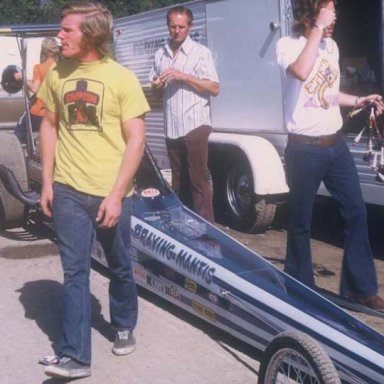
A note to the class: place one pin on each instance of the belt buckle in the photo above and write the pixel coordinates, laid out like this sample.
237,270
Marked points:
328,141
316,141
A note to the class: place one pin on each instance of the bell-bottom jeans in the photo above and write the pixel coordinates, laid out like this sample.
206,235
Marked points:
307,166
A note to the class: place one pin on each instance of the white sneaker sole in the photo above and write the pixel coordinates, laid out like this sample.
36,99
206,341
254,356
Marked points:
123,351
55,371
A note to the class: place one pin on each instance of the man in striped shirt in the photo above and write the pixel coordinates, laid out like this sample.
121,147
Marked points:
184,71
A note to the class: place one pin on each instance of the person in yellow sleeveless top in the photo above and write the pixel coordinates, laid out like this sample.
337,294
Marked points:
49,55
91,143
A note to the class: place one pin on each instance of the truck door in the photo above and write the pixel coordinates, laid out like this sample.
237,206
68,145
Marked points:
242,35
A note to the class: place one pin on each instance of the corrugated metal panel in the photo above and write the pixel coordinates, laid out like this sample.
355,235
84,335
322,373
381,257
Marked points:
137,38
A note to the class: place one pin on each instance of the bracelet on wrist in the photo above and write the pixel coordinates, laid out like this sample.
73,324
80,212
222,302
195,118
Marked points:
357,101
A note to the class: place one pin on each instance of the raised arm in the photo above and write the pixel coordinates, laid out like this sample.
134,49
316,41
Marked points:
303,65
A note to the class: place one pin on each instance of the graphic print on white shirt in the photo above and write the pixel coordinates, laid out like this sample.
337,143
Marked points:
318,85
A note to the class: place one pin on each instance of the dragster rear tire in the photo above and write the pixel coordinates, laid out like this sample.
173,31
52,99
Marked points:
12,211
288,350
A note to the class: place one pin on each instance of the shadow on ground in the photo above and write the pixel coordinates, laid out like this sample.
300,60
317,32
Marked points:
31,231
41,300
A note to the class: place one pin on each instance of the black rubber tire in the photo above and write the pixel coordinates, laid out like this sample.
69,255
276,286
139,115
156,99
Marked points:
296,346
12,211
246,211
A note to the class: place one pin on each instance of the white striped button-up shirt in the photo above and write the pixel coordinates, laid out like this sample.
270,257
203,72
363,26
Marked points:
184,108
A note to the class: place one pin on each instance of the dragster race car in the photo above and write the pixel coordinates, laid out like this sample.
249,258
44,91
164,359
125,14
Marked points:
191,263
304,336
186,260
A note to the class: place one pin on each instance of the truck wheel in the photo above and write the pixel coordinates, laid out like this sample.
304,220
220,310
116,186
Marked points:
245,211
295,357
12,211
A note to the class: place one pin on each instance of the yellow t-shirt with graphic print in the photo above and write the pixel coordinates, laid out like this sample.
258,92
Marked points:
91,100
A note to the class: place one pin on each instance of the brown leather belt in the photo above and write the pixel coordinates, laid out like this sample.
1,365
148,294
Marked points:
321,141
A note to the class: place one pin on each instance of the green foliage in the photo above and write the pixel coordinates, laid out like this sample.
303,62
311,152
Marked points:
124,8
48,11
28,11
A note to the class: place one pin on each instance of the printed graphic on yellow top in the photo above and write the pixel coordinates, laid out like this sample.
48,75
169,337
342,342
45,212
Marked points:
83,101
92,101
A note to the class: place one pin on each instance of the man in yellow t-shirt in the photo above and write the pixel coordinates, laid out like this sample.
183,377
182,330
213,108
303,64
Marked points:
92,141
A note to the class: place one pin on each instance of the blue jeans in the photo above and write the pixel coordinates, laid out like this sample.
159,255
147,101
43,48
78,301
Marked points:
308,165
74,219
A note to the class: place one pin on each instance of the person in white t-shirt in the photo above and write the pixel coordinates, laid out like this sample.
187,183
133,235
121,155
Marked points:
316,151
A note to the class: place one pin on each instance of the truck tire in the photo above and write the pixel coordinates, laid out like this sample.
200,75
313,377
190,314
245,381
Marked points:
12,211
244,211
294,357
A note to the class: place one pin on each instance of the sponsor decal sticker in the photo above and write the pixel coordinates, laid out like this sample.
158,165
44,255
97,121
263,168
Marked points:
204,311
190,285
134,253
156,284
150,192
173,292
213,298
139,275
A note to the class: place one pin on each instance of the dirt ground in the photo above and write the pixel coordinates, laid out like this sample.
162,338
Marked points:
172,346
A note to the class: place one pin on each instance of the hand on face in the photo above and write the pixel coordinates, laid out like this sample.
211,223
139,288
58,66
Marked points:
326,17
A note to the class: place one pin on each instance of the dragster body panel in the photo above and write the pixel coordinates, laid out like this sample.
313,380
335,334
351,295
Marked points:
186,260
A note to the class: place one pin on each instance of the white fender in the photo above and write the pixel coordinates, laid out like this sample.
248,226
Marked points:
267,168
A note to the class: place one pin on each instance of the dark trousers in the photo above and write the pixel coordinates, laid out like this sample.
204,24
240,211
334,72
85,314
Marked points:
188,156
307,166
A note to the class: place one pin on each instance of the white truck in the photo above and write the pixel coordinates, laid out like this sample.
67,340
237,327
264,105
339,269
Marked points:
247,145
